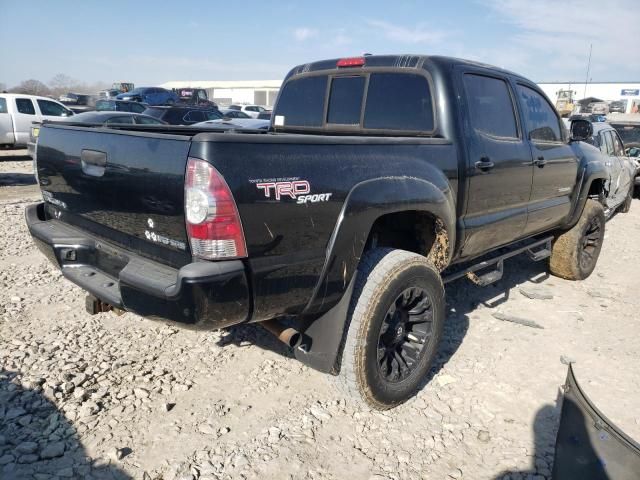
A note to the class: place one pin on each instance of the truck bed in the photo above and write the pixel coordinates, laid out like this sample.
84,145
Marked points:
137,203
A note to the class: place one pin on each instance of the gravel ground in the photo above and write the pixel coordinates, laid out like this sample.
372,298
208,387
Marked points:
124,397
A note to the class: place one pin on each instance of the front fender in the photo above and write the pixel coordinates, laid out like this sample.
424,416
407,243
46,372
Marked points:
593,170
366,202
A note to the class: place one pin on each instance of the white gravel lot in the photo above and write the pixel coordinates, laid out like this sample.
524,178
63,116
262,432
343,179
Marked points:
124,397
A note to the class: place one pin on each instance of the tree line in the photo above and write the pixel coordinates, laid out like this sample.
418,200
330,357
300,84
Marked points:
57,86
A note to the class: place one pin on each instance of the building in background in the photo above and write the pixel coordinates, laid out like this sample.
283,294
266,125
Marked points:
243,92
627,92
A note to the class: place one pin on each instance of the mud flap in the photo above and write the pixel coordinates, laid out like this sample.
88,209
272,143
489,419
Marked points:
588,445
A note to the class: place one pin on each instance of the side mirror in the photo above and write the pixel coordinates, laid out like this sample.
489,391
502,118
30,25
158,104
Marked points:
581,130
633,152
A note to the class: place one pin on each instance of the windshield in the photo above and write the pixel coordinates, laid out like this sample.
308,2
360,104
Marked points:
630,134
137,90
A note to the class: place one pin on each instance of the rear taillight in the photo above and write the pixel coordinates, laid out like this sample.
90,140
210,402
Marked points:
213,223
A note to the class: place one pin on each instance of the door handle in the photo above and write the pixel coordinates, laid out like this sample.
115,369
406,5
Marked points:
540,162
485,164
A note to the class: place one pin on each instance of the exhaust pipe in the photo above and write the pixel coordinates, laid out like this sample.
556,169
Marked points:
287,335
95,305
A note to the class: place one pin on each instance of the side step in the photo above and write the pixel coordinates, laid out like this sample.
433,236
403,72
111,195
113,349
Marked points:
537,250
543,252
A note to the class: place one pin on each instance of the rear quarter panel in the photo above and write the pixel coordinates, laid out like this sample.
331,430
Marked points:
287,241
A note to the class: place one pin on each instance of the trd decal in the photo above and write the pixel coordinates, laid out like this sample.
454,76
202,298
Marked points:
280,189
294,188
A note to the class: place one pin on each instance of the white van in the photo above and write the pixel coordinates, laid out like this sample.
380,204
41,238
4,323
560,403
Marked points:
17,112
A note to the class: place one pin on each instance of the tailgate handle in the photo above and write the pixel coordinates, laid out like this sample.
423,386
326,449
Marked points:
93,162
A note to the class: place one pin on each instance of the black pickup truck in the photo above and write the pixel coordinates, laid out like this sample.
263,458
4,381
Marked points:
381,178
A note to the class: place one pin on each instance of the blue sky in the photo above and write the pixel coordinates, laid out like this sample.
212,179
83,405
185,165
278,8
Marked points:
151,42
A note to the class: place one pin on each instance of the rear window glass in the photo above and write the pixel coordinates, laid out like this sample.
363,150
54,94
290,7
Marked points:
155,112
104,105
345,100
490,106
216,114
119,120
301,102
148,121
25,105
194,116
399,102
137,108
3,105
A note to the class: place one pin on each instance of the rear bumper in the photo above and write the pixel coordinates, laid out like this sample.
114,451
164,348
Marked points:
199,294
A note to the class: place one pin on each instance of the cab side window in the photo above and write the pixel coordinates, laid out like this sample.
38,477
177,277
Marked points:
606,143
490,106
3,105
618,148
543,124
25,105
51,109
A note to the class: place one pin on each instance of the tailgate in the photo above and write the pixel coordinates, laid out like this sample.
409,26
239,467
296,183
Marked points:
126,187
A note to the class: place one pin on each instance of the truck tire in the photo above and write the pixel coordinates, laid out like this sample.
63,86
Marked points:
575,252
626,205
395,324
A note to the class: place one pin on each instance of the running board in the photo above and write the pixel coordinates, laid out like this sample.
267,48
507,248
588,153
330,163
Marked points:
537,250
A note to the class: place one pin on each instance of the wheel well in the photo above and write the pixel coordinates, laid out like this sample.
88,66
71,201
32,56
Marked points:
596,189
415,231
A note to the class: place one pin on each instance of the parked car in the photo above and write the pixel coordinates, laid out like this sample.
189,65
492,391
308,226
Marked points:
113,118
599,108
103,118
253,123
109,93
122,87
252,110
75,99
120,106
266,115
230,113
17,112
150,96
628,127
194,96
184,115
347,217
621,169
618,106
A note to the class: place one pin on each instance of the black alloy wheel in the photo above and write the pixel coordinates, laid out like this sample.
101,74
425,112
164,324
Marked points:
591,242
405,331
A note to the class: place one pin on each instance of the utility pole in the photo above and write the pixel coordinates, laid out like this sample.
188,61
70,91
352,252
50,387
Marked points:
586,80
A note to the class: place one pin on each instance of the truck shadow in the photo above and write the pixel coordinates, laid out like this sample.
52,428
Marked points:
16,179
36,438
463,297
253,334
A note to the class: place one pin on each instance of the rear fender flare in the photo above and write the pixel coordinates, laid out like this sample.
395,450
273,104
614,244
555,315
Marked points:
325,318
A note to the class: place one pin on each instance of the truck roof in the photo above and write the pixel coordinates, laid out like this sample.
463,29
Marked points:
397,61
